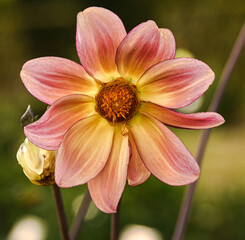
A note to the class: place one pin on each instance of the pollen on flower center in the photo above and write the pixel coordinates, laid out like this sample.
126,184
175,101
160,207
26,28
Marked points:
117,101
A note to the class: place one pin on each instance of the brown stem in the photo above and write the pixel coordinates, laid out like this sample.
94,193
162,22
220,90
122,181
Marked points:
187,201
60,212
115,224
76,226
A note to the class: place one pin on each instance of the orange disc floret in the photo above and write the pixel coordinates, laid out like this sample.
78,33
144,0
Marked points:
117,101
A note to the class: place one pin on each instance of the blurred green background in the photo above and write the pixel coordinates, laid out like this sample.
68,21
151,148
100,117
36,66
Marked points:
208,29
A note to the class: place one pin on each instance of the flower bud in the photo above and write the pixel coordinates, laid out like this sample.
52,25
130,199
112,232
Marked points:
37,163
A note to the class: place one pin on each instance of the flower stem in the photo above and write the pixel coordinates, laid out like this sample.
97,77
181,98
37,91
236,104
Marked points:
187,201
115,224
76,225
60,212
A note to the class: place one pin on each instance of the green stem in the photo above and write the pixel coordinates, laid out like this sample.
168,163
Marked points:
115,224
60,212
76,226
187,201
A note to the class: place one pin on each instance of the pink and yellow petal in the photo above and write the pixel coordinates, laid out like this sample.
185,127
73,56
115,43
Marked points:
175,83
201,120
84,151
143,47
99,33
164,155
106,189
50,78
48,131
137,172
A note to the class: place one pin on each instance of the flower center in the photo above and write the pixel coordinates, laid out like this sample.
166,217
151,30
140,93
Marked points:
117,101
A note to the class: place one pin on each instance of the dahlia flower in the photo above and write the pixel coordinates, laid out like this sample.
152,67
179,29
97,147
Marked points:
107,117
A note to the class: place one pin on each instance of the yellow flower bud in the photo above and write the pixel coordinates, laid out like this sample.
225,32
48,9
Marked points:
37,163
